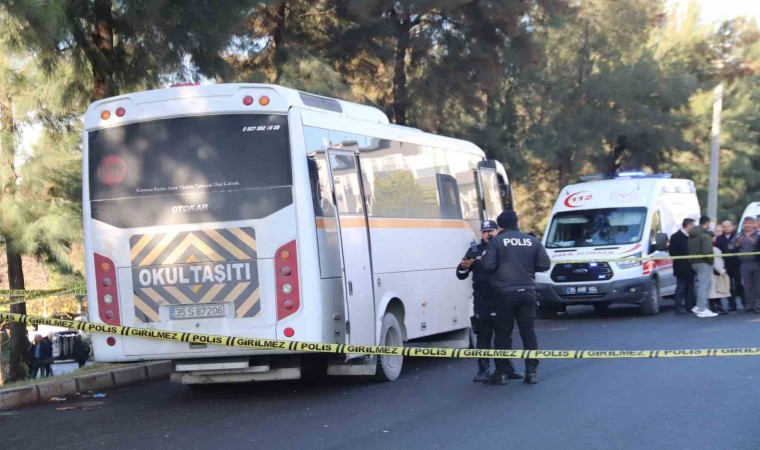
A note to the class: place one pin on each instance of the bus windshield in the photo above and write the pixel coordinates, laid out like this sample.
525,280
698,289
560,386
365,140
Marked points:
596,227
188,155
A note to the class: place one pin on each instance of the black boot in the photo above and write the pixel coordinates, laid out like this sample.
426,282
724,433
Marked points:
497,378
531,378
513,374
482,374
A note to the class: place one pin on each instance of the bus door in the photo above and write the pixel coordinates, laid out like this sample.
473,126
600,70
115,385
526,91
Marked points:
494,193
353,235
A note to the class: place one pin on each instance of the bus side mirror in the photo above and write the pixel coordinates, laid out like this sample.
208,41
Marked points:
661,242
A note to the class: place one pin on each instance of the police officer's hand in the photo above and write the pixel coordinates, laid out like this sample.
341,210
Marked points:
466,263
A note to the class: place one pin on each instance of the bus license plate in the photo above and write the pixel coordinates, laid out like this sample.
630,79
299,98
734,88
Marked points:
197,311
581,290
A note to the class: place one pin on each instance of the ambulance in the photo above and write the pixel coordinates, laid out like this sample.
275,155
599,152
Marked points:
597,233
752,210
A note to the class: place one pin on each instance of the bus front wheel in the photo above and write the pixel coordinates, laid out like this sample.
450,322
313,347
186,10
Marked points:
389,366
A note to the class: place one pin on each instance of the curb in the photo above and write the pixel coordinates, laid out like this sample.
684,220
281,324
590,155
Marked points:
109,379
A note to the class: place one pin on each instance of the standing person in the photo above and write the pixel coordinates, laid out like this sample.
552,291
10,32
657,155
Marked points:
684,273
482,298
5,354
35,351
80,351
716,302
732,263
47,357
721,284
746,242
700,245
512,259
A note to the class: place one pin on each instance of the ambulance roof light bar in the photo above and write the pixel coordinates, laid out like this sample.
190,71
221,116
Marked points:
626,174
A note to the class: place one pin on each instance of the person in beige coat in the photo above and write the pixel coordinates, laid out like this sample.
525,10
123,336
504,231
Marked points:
721,284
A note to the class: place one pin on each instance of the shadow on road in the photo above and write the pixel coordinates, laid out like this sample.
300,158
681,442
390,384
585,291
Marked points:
586,312
267,391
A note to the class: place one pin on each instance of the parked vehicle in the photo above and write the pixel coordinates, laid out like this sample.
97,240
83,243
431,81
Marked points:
622,217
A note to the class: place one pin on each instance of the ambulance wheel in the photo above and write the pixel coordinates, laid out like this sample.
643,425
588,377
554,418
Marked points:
389,367
651,305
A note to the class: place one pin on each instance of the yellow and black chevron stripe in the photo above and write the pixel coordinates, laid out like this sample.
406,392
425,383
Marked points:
172,251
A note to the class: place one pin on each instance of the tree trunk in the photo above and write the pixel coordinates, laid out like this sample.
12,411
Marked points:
278,37
400,92
565,167
102,37
19,343
618,156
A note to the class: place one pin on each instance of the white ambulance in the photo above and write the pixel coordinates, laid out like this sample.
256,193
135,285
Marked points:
752,210
619,216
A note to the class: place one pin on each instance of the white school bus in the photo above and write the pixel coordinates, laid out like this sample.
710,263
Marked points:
258,211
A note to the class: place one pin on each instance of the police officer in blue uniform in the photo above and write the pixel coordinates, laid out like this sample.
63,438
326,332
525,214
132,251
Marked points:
511,261
481,296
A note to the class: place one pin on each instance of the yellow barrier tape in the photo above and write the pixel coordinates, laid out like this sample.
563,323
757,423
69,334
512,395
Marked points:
315,347
25,295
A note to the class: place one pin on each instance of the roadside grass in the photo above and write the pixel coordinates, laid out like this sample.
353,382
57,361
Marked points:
97,367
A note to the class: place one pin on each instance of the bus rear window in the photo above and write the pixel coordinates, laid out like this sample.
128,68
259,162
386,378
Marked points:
189,154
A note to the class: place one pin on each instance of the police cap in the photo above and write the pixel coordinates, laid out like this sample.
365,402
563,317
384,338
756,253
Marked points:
488,225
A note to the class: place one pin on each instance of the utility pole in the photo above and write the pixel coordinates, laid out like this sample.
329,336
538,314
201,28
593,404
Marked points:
712,192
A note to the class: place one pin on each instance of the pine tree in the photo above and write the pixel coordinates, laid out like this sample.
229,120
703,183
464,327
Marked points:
128,44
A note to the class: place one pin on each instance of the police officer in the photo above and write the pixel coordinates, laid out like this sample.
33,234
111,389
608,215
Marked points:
511,260
482,298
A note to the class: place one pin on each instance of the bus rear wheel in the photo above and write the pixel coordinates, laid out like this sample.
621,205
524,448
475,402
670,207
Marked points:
389,366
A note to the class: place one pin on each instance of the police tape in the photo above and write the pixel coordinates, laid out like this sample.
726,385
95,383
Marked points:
317,347
22,296
25,295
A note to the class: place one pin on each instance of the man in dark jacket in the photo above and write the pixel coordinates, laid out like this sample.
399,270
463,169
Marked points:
749,241
512,259
701,246
481,296
41,352
684,273
81,351
732,263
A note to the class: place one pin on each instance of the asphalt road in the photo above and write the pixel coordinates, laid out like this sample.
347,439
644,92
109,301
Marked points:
701,403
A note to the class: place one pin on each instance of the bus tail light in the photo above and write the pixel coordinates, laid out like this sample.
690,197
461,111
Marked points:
107,290
286,274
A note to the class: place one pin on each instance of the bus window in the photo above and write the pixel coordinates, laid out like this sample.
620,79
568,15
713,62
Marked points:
189,154
448,194
492,201
319,178
461,166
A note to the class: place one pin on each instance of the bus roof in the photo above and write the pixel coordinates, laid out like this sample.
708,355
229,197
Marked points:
229,98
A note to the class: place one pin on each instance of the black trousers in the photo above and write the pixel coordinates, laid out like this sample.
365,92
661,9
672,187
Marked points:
737,290
482,324
685,297
509,307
